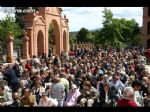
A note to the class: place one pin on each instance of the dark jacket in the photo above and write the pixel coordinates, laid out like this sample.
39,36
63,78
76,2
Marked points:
10,76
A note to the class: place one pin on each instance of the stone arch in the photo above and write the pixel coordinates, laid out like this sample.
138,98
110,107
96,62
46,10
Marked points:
148,43
40,42
40,20
65,41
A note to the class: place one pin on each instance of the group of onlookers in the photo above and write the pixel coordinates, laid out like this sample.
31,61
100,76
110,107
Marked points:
99,77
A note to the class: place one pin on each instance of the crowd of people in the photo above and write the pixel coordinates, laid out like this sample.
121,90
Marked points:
97,77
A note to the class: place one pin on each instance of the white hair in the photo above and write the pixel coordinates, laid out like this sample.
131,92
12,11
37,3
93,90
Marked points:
128,92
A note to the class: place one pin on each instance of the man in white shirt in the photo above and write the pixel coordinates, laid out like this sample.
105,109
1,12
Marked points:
35,60
117,84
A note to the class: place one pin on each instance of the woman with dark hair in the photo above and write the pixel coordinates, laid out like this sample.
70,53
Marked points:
138,98
28,100
147,96
28,65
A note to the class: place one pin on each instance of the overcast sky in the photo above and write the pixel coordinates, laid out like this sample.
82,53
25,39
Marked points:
91,17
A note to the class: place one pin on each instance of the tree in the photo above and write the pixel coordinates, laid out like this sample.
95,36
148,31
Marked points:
130,30
110,34
118,32
9,24
83,35
72,37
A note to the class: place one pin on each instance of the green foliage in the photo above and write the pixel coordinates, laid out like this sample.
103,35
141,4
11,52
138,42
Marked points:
108,15
72,37
9,24
110,34
130,29
118,32
82,35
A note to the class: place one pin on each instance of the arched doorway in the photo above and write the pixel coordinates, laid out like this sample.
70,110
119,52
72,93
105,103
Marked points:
148,43
65,41
40,43
54,37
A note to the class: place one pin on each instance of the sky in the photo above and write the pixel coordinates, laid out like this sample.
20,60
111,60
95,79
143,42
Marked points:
91,17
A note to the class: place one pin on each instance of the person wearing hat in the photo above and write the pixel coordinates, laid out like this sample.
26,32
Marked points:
127,99
45,101
72,96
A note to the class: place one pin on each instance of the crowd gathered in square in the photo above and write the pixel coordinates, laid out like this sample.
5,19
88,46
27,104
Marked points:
96,77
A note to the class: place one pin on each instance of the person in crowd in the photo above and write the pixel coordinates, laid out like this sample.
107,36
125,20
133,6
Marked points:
45,101
127,99
72,96
117,84
56,60
58,91
147,53
129,81
11,78
65,82
5,97
28,65
146,99
37,90
16,100
21,68
144,88
138,98
1,73
16,69
100,74
36,61
28,100
88,96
